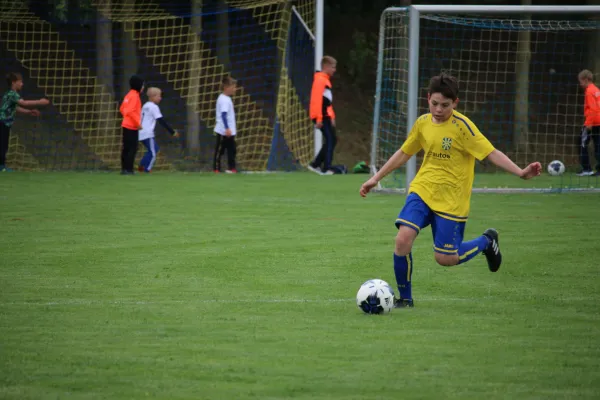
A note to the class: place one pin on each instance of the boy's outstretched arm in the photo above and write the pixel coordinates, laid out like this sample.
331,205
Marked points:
33,103
396,161
501,160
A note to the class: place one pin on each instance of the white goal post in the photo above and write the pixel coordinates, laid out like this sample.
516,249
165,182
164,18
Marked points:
505,58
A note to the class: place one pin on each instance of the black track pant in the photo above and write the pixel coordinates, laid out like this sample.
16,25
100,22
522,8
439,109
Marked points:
130,145
587,135
223,144
4,140
324,158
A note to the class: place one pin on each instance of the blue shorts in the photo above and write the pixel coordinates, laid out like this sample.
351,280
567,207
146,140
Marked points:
448,230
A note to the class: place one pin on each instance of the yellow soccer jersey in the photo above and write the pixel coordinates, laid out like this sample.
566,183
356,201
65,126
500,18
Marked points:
445,179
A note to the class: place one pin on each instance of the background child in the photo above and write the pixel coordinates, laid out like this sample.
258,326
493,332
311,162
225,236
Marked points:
225,127
150,115
131,109
591,128
323,116
11,104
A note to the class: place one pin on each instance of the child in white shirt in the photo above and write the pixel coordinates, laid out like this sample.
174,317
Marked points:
225,128
150,115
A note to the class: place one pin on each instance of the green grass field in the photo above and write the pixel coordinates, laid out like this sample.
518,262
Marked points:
194,286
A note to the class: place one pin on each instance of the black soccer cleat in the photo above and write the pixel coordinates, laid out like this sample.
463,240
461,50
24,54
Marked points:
403,303
492,252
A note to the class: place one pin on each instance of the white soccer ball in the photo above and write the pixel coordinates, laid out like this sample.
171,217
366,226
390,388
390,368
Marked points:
556,168
375,297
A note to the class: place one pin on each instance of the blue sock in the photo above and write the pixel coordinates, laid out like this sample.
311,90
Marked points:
403,270
470,249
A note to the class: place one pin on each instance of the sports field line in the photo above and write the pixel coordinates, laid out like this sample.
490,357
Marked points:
81,302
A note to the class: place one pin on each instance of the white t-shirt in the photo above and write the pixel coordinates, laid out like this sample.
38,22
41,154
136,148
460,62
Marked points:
150,113
224,104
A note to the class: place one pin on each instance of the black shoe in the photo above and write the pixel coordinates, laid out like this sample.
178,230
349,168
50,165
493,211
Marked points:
492,252
403,303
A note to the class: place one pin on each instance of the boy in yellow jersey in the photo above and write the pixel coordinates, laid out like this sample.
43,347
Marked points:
440,194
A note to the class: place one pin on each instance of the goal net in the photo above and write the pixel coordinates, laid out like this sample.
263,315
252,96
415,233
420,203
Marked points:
81,54
518,84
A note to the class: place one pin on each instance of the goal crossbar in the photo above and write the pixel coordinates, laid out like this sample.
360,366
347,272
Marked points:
503,9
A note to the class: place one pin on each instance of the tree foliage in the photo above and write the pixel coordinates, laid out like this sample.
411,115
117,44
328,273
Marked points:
68,11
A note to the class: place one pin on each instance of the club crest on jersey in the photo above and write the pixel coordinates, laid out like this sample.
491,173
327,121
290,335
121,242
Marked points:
446,143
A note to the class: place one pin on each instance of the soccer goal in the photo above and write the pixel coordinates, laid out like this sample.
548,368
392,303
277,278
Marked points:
517,68
81,58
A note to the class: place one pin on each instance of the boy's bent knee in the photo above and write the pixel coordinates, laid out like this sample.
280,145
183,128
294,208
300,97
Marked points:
446,260
404,240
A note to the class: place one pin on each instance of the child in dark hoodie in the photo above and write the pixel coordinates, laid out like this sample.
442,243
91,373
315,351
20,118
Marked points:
131,109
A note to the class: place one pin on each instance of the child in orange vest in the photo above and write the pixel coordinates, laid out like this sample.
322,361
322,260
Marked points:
591,129
323,116
131,109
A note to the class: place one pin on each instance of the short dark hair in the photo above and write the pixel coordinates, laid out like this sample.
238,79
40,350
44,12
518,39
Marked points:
445,84
13,77
136,82
228,81
586,74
